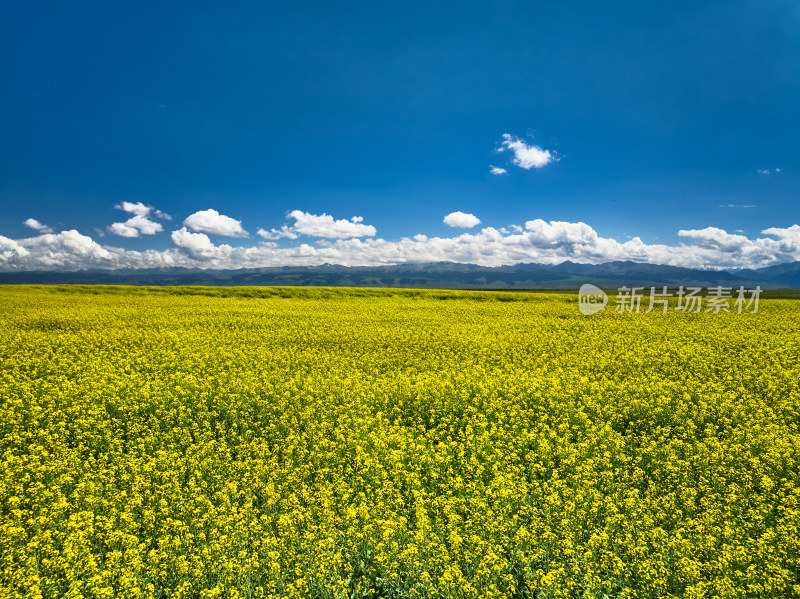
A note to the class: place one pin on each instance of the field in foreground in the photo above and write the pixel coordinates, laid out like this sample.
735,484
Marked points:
335,443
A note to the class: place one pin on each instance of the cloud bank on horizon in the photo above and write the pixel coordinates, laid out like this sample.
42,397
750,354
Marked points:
324,239
308,239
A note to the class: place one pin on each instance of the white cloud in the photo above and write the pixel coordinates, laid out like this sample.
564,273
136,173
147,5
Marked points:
284,231
461,219
560,234
11,251
790,234
526,156
68,250
211,221
324,225
712,237
34,224
123,230
198,245
496,170
135,227
144,226
539,241
67,243
737,205
139,224
138,208
767,171
319,225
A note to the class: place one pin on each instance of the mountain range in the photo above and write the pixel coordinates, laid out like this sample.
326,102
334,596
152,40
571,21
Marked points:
568,274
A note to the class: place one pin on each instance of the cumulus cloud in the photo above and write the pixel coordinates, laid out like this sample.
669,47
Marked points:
138,208
198,245
135,227
11,251
496,170
284,231
560,234
462,220
320,225
790,235
68,250
768,171
540,241
526,156
211,221
712,237
140,223
34,224
123,230
324,225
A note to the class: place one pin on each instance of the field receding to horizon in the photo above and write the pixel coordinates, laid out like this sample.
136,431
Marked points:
333,442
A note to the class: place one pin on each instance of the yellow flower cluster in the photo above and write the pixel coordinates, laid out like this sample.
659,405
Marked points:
332,443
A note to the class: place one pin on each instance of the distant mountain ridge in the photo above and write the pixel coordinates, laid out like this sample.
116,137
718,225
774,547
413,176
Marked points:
448,275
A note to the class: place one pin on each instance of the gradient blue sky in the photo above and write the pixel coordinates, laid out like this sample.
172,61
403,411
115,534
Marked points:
662,116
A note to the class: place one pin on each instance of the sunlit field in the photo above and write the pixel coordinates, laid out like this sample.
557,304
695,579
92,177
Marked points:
279,442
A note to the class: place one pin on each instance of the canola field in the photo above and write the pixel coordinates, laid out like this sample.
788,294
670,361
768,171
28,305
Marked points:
277,442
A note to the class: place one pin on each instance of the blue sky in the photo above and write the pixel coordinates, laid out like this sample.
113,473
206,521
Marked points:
671,124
